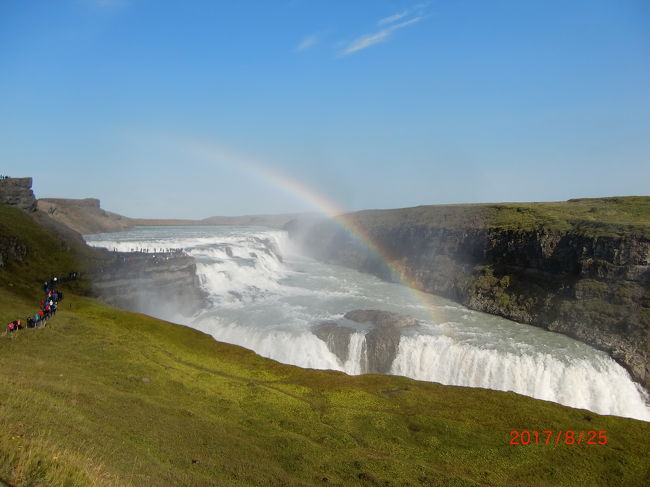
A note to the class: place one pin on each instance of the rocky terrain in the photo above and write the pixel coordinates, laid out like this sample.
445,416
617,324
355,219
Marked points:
581,268
17,192
158,285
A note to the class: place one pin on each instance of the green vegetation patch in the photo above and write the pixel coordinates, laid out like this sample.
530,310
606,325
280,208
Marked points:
618,216
31,253
105,397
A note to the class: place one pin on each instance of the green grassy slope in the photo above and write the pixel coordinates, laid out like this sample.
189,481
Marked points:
74,406
617,216
105,397
46,253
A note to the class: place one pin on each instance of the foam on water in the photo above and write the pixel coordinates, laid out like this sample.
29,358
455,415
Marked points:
356,354
267,297
281,344
596,383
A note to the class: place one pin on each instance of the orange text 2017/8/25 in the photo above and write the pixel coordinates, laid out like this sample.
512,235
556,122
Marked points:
560,437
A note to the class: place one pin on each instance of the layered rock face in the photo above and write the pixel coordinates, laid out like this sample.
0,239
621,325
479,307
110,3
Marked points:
161,286
18,192
593,288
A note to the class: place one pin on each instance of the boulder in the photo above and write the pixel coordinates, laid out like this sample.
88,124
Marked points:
381,341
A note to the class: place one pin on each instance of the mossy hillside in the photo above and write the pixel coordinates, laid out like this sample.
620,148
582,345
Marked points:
75,410
616,216
46,254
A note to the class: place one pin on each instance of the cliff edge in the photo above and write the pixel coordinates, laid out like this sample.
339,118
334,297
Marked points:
160,285
580,267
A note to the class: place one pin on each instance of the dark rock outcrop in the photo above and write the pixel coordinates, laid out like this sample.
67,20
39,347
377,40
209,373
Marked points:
595,288
18,192
381,341
381,319
336,337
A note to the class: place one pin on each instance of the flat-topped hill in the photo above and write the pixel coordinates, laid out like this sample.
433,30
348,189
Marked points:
615,216
86,216
83,215
83,202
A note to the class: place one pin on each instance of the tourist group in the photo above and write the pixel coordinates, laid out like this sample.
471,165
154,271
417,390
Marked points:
48,306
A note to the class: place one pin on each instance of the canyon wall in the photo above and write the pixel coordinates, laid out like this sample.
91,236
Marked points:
584,278
158,285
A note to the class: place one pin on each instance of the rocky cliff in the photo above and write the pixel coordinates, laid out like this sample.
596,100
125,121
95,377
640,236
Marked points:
17,192
581,268
160,285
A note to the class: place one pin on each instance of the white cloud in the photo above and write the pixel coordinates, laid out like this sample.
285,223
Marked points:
368,40
393,18
307,43
416,10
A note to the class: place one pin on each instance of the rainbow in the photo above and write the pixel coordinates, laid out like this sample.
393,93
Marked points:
294,187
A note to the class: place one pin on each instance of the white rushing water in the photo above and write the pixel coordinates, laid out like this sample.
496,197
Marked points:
267,297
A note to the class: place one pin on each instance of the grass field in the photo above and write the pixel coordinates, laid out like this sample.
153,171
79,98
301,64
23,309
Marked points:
110,398
105,397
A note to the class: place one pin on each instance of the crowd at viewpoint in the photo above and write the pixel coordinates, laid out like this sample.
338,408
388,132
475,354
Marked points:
48,306
5,177
154,256
155,250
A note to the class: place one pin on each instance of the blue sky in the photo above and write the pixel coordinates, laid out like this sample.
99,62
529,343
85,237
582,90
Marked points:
372,103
